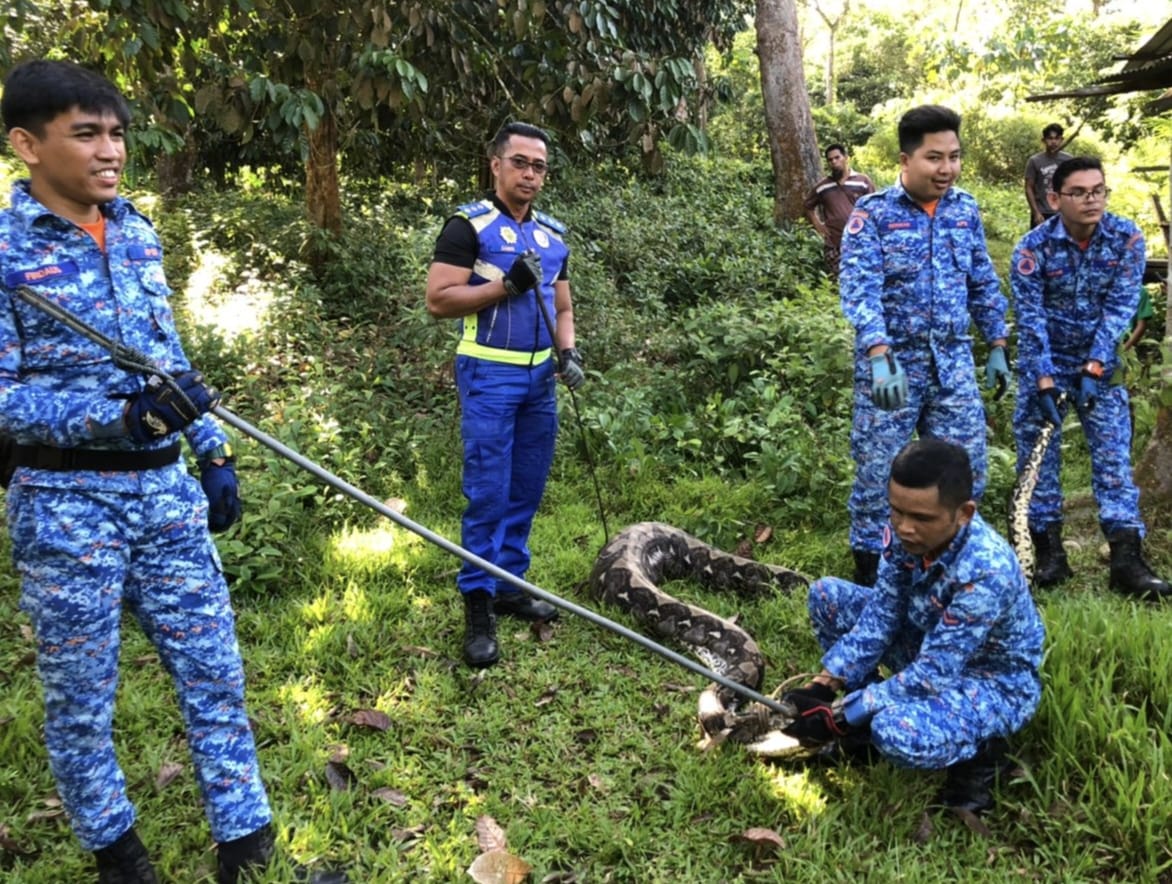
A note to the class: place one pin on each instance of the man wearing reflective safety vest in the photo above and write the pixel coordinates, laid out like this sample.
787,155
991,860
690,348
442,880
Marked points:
494,260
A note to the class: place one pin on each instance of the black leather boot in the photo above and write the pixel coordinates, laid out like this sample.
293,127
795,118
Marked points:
1130,574
237,861
866,567
125,862
521,606
480,647
1050,564
968,785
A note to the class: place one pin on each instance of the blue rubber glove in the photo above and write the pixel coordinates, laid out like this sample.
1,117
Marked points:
997,372
166,407
888,382
854,710
570,367
223,493
1088,390
1048,404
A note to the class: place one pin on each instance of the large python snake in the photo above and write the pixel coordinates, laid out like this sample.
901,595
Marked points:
627,574
1023,491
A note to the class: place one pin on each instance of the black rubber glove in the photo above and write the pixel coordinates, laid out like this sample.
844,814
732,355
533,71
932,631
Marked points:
167,407
524,274
817,721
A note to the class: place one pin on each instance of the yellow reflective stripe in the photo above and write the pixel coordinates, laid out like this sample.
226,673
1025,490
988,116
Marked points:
495,354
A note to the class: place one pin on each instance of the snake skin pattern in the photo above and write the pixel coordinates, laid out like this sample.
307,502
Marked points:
627,574
1023,491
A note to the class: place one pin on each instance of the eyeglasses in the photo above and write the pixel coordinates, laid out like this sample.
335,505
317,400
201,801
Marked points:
1079,195
539,167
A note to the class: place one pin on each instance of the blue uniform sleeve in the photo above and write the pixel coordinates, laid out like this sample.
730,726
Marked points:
861,278
987,305
855,657
1026,279
1121,298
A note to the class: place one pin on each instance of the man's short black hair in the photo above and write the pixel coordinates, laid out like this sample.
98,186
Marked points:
935,463
832,148
924,120
37,91
1052,129
1068,167
525,130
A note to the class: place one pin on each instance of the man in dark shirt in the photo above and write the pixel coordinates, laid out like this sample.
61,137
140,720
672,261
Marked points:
830,202
500,268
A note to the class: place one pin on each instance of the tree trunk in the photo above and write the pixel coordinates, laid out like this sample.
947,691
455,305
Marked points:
321,176
1153,473
793,148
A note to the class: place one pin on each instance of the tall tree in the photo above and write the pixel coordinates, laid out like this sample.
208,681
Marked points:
793,148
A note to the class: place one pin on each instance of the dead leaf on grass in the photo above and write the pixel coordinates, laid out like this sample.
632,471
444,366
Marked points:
678,688
340,777
763,534
764,841
744,549
371,718
40,816
489,834
924,830
542,630
339,752
414,833
168,771
547,697
391,796
499,867
973,821
10,844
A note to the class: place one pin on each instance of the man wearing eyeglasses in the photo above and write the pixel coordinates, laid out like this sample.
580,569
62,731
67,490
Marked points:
1076,283
501,269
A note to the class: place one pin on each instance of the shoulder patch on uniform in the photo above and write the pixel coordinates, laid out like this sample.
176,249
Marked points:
1026,263
857,220
550,222
474,210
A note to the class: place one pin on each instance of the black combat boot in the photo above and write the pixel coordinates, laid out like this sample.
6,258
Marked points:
239,860
125,862
968,785
1050,564
480,647
521,606
1130,574
866,567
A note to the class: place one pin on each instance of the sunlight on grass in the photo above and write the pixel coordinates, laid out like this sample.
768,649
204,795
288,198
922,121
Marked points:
312,702
363,550
801,797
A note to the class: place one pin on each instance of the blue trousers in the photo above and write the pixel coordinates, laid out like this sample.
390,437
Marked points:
1107,428
509,425
943,403
84,558
935,730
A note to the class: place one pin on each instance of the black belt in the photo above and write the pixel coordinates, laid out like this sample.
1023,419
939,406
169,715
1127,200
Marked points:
46,457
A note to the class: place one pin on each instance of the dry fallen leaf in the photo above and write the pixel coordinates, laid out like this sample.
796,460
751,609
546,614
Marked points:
390,796
542,630
371,718
762,839
763,534
499,867
744,550
168,771
489,834
547,697
339,776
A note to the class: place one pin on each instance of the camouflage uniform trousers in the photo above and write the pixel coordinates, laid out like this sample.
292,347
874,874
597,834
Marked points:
930,732
944,403
1107,428
85,555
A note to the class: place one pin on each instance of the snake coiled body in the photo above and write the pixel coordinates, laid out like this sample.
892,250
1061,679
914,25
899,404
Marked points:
627,574
1023,492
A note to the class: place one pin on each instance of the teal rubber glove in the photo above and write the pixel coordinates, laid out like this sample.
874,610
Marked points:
997,372
888,382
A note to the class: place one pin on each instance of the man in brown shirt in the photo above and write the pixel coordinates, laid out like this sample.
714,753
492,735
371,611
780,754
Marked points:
830,202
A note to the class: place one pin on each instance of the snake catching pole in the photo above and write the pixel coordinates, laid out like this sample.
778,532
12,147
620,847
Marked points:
132,360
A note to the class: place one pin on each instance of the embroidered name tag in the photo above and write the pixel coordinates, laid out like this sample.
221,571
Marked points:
139,252
40,274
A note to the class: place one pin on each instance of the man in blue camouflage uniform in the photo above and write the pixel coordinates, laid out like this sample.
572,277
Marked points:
102,512
915,275
493,261
950,617
1076,282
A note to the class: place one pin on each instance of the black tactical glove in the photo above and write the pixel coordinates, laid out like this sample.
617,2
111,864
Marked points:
570,367
168,406
524,274
817,720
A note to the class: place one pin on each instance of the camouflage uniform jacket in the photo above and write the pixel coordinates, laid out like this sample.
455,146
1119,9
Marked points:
57,387
970,612
1074,305
917,282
